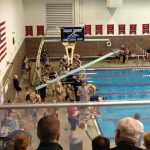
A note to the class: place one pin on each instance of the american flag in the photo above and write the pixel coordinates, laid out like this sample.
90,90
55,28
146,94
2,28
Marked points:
3,47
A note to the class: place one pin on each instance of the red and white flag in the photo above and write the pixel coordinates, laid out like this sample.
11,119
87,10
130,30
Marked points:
3,47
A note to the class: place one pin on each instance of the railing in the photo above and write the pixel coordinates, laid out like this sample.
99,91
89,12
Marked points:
87,104
89,124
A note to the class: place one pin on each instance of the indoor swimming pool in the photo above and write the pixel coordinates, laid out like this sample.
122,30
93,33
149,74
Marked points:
119,84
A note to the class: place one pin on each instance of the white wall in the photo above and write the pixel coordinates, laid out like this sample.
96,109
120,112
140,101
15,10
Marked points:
132,12
12,12
93,12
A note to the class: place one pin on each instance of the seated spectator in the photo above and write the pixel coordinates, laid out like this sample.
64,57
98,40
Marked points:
127,133
48,131
22,142
147,140
100,143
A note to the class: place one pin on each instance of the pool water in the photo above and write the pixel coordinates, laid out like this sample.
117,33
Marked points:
120,85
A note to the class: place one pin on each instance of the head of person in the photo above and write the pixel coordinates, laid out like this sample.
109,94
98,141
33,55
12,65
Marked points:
22,142
100,143
83,82
48,129
128,130
137,116
15,77
147,140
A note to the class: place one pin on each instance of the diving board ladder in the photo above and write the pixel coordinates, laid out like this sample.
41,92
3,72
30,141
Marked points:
37,70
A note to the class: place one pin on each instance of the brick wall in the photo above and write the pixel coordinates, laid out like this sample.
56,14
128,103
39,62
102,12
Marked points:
56,49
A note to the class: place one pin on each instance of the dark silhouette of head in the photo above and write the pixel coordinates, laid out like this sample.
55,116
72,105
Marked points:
100,143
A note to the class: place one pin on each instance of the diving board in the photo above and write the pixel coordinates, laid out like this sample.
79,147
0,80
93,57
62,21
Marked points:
78,69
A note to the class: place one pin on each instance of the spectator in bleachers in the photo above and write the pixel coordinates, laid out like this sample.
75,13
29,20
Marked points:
147,140
22,142
127,133
100,143
48,131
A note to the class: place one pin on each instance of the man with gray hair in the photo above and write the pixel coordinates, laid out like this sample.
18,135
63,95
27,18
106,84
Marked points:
127,133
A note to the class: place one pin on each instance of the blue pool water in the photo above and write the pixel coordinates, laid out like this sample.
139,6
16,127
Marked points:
120,85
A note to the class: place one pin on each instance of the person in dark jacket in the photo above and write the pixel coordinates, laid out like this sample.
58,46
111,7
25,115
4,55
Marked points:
127,133
48,129
16,84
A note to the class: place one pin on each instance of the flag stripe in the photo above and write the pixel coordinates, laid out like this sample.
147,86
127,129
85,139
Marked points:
3,57
2,40
3,51
1,30
3,46
2,23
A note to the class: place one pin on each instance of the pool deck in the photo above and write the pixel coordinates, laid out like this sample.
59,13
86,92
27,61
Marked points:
65,128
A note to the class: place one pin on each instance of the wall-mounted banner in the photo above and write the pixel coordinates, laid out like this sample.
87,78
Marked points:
99,29
122,29
87,29
133,28
110,29
29,31
145,29
40,30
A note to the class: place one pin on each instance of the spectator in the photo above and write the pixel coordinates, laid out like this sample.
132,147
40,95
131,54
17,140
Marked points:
127,133
16,84
73,119
22,142
43,56
137,117
48,132
77,83
100,143
59,91
147,140
83,92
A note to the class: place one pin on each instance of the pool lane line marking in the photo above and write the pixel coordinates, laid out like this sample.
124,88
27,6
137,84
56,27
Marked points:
109,119
122,83
123,92
120,76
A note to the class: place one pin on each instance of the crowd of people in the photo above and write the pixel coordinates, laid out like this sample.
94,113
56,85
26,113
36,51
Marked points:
129,131
127,134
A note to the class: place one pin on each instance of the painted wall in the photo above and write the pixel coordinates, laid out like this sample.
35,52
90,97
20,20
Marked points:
12,12
93,12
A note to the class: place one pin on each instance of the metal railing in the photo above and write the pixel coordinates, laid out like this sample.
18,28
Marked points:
79,104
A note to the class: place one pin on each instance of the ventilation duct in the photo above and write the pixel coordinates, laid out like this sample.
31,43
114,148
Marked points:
114,3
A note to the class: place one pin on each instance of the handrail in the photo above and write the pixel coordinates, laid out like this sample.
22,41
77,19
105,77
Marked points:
83,104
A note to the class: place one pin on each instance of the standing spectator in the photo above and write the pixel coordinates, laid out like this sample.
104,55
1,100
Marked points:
73,119
100,143
48,132
42,91
53,75
43,56
77,83
127,133
16,84
137,117
83,92
59,91
147,140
